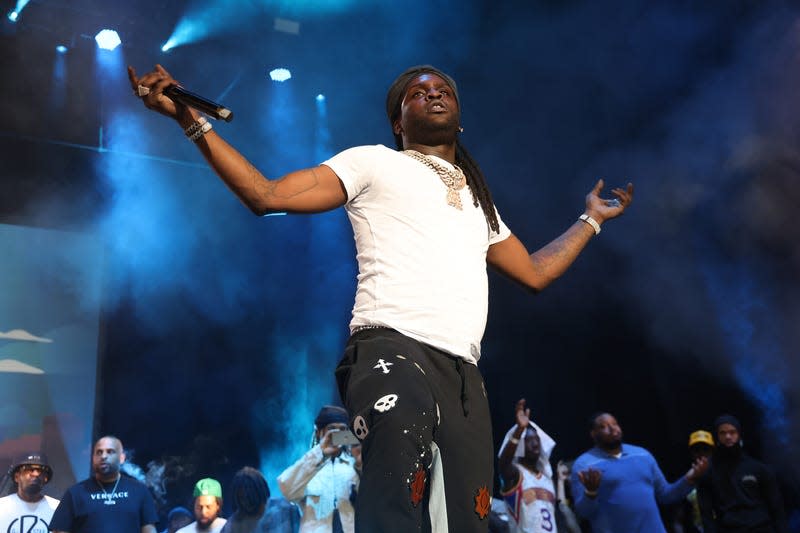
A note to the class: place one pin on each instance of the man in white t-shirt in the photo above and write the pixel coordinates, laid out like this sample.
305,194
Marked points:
28,510
425,228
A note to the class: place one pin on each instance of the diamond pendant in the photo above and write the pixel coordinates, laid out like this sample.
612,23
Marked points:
453,198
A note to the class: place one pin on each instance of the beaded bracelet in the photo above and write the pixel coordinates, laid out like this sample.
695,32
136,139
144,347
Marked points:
197,129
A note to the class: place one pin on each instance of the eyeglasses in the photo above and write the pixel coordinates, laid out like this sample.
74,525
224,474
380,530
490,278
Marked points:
29,469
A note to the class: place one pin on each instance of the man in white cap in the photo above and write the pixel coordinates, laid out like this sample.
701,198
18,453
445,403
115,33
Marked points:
28,510
207,506
524,464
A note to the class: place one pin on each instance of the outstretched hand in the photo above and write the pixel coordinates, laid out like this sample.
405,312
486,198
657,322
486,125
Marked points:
150,89
590,478
602,209
699,468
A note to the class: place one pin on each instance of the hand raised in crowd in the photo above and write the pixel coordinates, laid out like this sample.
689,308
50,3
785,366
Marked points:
602,209
563,471
699,468
590,478
522,414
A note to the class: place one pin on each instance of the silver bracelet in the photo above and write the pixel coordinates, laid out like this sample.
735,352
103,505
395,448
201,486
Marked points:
195,126
197,129
592,222
202,131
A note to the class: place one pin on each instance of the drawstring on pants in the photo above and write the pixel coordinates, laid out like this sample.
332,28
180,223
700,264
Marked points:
464,396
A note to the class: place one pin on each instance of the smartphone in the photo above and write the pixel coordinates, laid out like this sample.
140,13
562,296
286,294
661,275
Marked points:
343,437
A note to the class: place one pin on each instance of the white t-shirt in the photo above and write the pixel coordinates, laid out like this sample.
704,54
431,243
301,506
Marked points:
19,516
421,262
216,527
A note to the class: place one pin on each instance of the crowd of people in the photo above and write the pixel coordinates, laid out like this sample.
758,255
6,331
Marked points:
614,487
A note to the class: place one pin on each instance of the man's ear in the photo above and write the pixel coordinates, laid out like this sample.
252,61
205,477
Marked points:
122,457
397,128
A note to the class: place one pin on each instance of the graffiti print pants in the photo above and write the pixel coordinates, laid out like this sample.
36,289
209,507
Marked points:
422,416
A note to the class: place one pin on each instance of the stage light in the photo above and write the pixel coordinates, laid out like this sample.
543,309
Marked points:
61,49
167,46
280,74
320,98
107,39
13,15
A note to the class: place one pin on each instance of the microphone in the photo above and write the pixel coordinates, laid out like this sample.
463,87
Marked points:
209,107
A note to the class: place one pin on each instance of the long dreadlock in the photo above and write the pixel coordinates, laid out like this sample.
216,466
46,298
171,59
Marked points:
481,196
250,491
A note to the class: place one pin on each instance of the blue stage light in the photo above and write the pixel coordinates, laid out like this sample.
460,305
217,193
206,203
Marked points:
13,15
107,39
61,49
320,98
280,74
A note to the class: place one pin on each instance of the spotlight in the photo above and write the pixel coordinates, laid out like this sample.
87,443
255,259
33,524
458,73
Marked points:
167,46
13,15
320,98
107,39
61,49
280,74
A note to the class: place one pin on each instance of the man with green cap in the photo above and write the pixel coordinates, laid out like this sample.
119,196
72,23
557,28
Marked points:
207,506
425,228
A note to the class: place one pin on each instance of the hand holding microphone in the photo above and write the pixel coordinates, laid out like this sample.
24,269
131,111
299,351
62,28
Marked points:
152,85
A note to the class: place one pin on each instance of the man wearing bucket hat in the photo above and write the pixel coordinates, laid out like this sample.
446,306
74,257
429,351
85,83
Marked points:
425,228
740,493
28,510
207,506
325,480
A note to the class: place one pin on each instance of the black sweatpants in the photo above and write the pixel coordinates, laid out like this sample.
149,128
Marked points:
407,401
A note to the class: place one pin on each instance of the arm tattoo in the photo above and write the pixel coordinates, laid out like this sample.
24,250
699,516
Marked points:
300,184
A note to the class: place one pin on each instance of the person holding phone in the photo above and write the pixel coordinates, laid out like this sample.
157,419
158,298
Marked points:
324,481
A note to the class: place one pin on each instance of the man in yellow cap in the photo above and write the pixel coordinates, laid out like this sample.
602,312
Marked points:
687,517
207,506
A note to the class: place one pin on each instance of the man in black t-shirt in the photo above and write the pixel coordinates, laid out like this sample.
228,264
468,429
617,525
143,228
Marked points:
107,501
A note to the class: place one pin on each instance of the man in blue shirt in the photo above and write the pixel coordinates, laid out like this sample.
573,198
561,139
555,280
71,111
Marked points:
618,487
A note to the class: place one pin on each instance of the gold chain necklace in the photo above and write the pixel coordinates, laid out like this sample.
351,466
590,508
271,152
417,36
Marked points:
108,499
454,180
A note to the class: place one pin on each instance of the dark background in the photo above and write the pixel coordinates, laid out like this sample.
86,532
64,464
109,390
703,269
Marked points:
220,330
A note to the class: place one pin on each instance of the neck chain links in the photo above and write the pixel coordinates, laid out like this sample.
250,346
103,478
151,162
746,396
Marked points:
454,180
109,498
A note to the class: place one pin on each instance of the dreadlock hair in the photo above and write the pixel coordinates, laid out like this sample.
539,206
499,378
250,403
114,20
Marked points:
250,491
475,178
